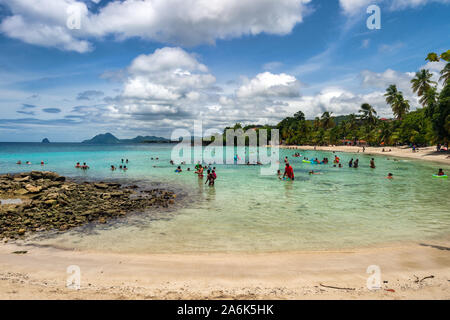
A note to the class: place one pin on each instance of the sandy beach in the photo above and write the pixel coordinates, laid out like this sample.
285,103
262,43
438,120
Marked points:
427,154
409,271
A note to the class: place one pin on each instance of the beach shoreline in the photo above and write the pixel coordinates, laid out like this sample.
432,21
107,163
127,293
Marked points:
409,271
426,154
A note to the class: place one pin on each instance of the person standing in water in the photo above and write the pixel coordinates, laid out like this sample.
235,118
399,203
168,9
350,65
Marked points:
372,163
356,163
289,171
350,164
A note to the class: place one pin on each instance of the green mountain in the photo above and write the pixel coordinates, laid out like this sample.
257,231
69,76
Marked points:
109,138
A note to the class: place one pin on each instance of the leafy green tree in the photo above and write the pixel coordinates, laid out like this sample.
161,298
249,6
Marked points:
441,116
299,116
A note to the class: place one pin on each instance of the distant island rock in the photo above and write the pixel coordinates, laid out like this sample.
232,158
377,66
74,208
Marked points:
108,138
45,140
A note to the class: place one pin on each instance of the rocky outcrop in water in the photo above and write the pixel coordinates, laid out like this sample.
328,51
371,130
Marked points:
51,202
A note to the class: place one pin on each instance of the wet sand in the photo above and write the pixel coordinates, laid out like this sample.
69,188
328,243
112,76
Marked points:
410,271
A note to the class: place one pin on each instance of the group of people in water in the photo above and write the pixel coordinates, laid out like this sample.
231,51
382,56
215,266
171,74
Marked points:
121,167
82,167
28,162
211,175
289,173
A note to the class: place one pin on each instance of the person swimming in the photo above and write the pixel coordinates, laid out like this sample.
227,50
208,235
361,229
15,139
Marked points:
125,168
28,162
19,162
78,165
84,166
372,163
178,170
315,173
42,163
113,168
441,173
390,176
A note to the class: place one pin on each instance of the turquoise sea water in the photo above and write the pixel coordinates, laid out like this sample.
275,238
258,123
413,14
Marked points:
246,211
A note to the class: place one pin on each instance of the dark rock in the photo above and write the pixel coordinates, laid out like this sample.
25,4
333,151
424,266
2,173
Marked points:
52,203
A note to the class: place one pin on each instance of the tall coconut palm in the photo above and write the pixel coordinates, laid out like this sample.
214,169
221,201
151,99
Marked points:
391,94
368,114
326,120
430,97
445,74
422,82
399,105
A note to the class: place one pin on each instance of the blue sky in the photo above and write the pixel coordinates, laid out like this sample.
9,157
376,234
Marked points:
149,67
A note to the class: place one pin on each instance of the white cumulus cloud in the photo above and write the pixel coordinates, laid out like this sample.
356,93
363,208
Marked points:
179,22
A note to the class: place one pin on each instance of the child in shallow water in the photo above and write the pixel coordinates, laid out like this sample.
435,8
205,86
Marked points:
441,173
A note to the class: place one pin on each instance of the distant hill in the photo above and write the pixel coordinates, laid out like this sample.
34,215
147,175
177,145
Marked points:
108,138
45,140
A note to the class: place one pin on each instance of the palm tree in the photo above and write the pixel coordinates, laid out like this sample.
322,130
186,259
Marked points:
391,94
422,82
368,114
445,74
385,132
326,120
399,105
430,97
317,123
